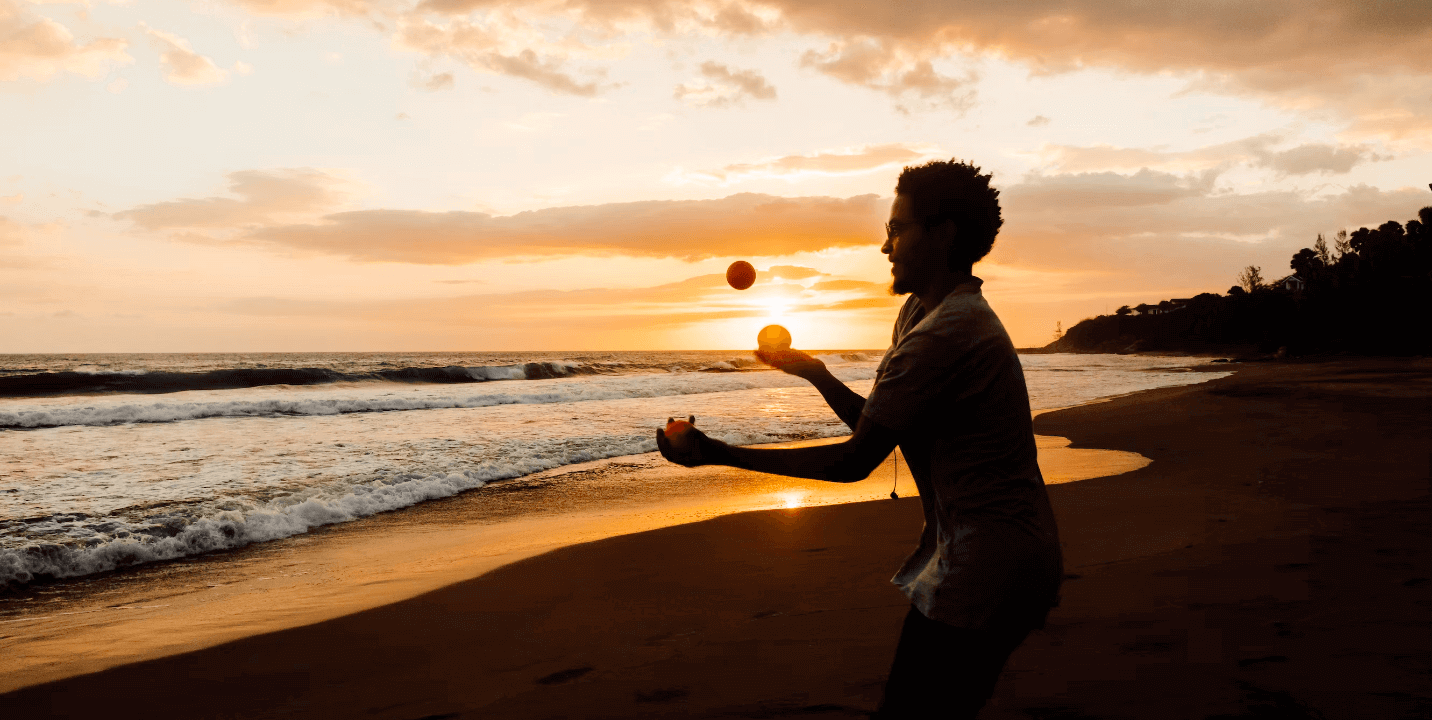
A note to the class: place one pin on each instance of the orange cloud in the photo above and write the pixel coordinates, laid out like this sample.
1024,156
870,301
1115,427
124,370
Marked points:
265,198
829,162
318,8
1258,151
724,87
793,272
502,46
39,48
1174,230
603,317
181,65
898,70
746,224
1369,62
11,232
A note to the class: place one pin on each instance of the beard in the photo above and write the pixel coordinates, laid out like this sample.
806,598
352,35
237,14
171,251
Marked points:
909,282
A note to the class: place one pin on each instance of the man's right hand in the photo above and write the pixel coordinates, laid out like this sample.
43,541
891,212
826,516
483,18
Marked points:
793,362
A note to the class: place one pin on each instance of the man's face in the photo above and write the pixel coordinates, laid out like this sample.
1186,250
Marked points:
914,251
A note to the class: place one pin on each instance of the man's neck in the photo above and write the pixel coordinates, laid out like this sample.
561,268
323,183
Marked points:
940,287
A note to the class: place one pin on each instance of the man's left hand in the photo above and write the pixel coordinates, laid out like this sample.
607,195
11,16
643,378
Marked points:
684,446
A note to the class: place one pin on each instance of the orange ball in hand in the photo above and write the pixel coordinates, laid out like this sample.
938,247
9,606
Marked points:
741,275
679,431
773,338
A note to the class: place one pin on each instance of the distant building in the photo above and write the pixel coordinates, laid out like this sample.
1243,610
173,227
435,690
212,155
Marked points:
1293,283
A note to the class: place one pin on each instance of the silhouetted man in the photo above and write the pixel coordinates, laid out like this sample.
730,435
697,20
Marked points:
950,392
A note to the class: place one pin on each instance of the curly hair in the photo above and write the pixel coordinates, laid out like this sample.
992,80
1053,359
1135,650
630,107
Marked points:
954,190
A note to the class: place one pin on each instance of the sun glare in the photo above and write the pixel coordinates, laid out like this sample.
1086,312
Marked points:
790,500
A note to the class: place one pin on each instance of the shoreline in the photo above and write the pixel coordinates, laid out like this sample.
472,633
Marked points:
93,623
1270,562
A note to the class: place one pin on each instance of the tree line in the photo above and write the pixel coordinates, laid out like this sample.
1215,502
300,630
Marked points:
1366,292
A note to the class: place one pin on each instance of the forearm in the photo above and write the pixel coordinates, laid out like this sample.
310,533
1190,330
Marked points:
846,403
838,462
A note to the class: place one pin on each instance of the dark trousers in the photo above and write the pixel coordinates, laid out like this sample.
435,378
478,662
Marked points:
942,671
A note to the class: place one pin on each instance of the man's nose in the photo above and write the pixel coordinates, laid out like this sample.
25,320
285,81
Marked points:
888,246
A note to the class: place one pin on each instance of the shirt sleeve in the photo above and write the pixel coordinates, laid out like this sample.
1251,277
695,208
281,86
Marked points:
936,364
902,394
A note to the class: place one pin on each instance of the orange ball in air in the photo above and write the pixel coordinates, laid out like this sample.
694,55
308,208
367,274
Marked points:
741,275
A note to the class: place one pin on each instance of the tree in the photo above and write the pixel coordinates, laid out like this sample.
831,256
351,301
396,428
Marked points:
1340,242
1236,290
1325,256
1058,329
1143,308
1307,262
1251,278
1123,310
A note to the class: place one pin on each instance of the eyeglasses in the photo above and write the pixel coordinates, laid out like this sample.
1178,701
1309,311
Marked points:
894,228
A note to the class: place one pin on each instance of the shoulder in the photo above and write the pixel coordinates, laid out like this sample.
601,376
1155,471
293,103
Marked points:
963,317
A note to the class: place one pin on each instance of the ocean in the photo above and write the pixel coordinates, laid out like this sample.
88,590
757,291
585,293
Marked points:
109,461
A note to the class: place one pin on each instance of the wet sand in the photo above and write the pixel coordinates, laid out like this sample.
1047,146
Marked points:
64,629
1270,562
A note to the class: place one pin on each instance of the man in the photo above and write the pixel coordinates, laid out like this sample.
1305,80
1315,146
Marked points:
950,392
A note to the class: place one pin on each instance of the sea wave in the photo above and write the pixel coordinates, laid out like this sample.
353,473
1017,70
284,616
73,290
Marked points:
92,379
632,386
74,545
82,382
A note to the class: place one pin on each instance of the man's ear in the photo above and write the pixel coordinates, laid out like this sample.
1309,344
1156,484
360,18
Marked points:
946,232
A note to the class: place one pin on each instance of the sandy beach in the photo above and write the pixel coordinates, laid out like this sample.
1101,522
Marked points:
1269,562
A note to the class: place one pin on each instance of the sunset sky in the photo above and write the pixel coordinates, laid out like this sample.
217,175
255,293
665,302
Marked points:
291,175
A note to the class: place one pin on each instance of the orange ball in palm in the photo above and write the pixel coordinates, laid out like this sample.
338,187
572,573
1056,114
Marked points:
773,338
741,275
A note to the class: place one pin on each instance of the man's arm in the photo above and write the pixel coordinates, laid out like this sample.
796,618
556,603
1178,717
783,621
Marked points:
844,462
844,401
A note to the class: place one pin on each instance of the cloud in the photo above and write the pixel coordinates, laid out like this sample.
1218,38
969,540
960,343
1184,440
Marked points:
11,232
746,224
597,317
793,272
294,210
724,87
1258,151
1038,121
503,46
1317,158
39,48
1178,230
1368,63
14,233
848,161
440,81
318,8
892,69
181,65
264,198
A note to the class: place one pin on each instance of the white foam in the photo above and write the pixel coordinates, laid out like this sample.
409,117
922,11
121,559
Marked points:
382,397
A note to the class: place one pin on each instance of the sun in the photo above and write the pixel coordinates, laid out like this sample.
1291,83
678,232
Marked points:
775,310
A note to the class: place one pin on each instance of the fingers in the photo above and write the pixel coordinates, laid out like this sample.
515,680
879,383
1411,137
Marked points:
689,454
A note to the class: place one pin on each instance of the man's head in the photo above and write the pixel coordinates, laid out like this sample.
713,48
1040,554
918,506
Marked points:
945,218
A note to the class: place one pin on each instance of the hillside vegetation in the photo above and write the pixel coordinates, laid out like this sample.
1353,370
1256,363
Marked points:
1370,292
